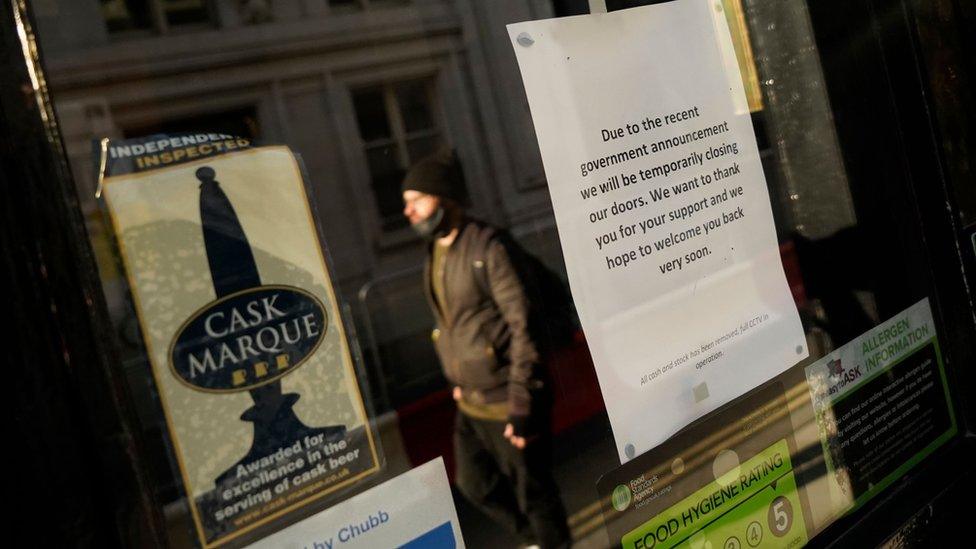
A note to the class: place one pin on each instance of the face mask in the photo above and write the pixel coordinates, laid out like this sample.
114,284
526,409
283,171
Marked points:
434,226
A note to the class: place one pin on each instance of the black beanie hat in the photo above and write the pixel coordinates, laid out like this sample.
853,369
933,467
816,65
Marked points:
438,174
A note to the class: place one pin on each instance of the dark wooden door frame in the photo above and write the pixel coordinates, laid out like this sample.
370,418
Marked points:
75,475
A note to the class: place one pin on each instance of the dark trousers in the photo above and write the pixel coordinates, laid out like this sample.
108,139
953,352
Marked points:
514,487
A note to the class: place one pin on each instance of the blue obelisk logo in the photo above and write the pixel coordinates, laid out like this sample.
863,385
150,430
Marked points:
233,270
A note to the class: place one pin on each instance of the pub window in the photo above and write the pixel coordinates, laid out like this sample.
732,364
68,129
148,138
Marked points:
398,127
157,16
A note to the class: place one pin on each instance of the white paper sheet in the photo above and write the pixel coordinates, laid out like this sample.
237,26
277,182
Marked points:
662,210
412,510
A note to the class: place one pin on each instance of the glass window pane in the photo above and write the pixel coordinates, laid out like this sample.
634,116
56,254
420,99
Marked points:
821,124
240,122
371,114
345,4
386,174
420,147
414,101
182,12
375,4
126,15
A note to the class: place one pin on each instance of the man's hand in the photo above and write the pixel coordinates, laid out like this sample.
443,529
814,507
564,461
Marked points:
520,432
517,441
457,393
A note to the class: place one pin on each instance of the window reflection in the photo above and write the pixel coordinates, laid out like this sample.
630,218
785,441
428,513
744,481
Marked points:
125,15
182,12
153,15
397,128
242,122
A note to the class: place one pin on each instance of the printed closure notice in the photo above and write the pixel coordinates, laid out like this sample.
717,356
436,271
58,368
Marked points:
662,211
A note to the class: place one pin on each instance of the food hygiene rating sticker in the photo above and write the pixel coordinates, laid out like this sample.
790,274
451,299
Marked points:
725,482
753,505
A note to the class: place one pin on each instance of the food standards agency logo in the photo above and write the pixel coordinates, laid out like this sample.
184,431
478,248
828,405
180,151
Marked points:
621,497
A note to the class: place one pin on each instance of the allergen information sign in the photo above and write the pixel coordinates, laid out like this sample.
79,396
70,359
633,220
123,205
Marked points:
241,324
882,404
662,210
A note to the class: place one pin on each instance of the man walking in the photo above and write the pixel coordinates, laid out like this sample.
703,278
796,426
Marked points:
502,442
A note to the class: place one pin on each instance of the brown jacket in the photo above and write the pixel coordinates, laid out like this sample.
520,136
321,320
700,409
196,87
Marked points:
482,334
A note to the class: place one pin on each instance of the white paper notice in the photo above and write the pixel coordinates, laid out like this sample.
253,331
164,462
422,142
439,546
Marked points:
412,511
662,211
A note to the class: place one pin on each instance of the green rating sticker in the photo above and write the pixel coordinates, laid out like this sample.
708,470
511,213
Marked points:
755,507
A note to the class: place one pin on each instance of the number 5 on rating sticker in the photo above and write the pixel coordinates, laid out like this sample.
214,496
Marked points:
780,516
